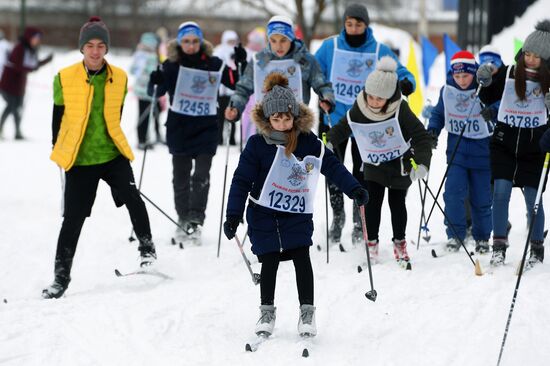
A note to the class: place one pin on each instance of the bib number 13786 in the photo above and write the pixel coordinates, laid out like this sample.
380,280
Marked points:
287,202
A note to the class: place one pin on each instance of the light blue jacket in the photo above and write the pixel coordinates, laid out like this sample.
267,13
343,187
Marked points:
312,77
325,53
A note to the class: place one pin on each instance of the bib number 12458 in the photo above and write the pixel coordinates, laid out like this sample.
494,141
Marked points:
287,202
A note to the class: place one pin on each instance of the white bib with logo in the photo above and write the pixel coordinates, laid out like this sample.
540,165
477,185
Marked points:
291,184
459,105
379,142
349,71
529,113
288,68
196,92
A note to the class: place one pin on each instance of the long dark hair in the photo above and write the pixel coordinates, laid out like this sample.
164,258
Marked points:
520,75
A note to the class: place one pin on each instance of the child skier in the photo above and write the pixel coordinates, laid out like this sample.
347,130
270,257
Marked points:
287,53
278,172
191,76
469,174
516,158
388,135
346,60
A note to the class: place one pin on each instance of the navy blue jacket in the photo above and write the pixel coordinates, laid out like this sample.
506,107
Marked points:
471,153
190,135
271,230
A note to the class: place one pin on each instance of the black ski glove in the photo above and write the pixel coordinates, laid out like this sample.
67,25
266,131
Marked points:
488,113
433,135
406,87
156,77
230,226
360,196
240,54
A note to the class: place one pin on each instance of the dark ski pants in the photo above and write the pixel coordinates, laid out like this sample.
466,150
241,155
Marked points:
143,122
223,102
191,190
80,190
13,106
336,195
396,200
304,274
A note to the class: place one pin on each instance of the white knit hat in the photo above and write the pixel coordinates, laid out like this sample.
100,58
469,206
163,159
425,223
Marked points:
382,82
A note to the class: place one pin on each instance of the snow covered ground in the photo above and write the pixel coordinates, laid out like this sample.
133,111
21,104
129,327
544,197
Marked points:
439,313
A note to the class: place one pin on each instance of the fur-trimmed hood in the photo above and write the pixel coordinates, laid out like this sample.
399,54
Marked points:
304,122
174,56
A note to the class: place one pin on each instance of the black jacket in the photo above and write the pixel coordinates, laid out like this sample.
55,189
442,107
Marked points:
515,151
392,174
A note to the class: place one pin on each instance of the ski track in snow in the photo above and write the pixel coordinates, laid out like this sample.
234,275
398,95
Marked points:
439,313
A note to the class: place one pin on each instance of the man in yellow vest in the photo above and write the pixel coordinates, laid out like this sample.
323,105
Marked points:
89,145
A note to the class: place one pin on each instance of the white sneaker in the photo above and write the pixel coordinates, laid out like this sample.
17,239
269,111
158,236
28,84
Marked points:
306,321
266,323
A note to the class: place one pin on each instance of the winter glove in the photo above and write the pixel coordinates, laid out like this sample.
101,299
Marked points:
360,196
485,74
230,226
544,142
488,114
547,100
427,111
406,87
240,54
434,137
156,77
419,173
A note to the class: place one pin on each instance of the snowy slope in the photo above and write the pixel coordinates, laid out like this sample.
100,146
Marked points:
437,314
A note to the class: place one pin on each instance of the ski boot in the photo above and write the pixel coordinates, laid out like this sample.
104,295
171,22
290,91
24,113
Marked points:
56,289
266,323
147,251
194,231
499,252
400,250
335,232
482,246
537,254
357,235
373,250
306,321
453,245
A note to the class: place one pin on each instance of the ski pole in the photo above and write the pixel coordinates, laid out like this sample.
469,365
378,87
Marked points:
477,266
228,131
255,276
453,154
326,202
372,294
423,198
531,225
151,114
162,211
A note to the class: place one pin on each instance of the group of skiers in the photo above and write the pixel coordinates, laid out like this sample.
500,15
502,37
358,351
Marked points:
495,130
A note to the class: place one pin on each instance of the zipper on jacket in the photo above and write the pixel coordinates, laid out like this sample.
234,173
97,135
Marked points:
516,162
279,235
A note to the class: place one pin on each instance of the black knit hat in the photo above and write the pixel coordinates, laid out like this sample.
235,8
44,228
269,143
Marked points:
94,29
357,11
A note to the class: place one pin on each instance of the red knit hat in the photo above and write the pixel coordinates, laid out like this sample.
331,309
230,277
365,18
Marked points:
463,61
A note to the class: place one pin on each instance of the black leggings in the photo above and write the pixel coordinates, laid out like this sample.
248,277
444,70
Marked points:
304,274
396,200
13,106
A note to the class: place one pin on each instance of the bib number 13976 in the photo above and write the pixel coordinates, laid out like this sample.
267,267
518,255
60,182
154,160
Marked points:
287,202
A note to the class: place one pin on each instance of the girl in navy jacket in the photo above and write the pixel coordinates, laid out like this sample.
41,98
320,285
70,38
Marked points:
278,173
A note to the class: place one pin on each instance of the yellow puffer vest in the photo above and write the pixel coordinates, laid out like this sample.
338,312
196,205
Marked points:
77,96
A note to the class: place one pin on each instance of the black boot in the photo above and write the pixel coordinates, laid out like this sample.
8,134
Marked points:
60,283
499,251
147,251
537,254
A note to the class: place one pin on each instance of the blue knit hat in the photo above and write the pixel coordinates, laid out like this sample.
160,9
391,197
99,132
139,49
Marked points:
280,24
189,28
